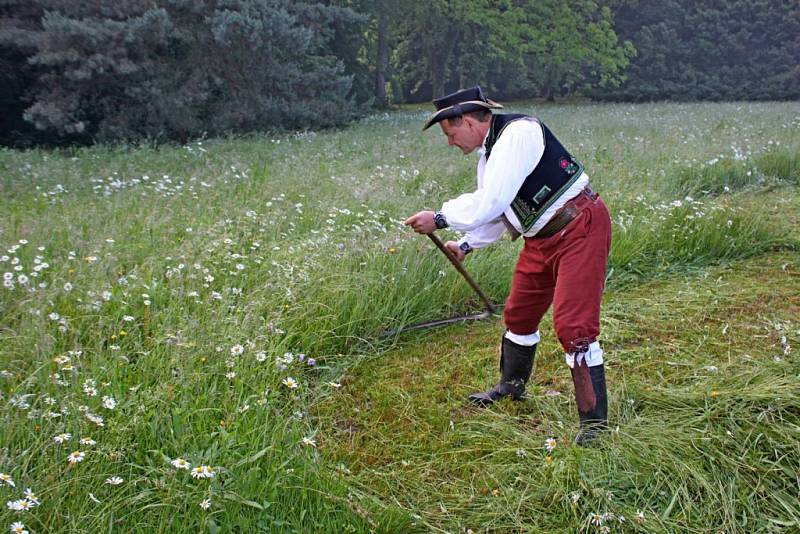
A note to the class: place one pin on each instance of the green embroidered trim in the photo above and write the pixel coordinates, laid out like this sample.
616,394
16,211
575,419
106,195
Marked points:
527,216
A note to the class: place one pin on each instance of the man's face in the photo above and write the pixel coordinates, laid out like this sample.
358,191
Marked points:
465,136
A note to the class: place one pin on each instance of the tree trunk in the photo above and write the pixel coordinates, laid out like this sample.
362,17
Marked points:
439,60
382,57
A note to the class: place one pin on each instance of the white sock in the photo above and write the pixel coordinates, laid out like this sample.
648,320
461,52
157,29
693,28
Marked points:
526,341
593,356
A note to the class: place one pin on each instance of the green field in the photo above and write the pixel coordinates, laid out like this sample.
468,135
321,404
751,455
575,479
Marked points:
223,302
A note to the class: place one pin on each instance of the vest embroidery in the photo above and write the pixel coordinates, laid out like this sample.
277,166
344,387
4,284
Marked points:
556,171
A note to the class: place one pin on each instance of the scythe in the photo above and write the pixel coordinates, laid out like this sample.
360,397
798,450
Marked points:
486,313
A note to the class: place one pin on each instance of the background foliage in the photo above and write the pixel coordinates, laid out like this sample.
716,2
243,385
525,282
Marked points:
687,50
81,72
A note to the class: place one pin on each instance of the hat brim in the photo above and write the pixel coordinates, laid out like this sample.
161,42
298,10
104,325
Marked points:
460,109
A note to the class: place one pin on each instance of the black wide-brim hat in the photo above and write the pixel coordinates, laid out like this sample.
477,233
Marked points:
458,103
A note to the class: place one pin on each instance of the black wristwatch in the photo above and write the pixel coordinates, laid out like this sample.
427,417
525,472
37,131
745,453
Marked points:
465,248
439,219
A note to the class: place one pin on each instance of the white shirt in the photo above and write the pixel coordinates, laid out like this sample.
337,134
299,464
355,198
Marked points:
514,156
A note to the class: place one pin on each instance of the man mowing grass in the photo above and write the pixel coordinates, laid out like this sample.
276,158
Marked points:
531,186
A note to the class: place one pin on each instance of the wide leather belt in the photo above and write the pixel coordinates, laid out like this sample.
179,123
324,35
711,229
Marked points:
567,213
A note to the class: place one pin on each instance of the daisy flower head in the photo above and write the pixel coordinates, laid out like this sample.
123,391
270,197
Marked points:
62,438
180,463
76,457
237,350
7,479
88,441
114,481
205,504
96,419
290,382
109,402
203,471
22,505
309,441
550,444
18,528
31,496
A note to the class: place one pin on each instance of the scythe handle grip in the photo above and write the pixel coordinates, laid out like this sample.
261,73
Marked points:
457,264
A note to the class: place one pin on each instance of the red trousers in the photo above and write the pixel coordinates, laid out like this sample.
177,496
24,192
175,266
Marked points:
567,270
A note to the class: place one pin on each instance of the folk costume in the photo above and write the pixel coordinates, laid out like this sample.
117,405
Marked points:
531,186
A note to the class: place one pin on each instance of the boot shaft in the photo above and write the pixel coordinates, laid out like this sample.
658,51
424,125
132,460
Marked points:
595,420
516,361
516,365
590,393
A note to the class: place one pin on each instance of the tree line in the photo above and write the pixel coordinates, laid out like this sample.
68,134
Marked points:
82,71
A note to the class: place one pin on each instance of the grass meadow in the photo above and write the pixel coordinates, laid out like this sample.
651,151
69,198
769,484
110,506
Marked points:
191,336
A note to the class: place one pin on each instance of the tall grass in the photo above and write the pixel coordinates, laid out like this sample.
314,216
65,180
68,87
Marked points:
704,414
190,283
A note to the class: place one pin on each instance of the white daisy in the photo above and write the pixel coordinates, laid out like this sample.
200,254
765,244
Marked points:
180,463
290,382
23,505
96,419
309,441
236,350
203,471
7,479
62,438
18,528
114,481
88,441
31,496
550,444
76,457
205,504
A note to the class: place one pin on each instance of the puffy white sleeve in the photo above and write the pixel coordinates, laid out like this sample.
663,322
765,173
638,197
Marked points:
514,156
485,235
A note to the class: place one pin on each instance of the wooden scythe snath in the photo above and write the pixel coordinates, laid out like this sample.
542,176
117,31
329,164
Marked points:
488,312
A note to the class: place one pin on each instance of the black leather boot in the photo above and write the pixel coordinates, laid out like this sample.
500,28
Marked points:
590,394
516,364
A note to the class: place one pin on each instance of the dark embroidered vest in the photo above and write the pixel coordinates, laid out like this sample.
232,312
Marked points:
552,176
